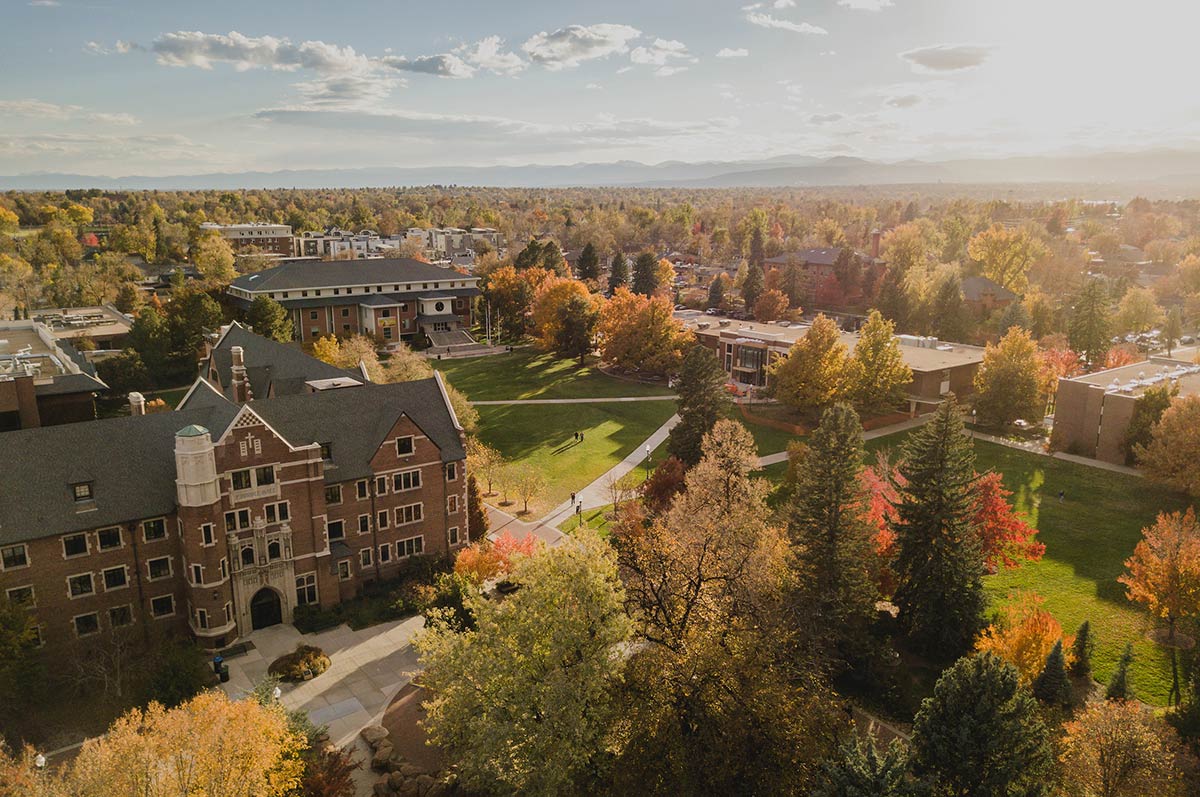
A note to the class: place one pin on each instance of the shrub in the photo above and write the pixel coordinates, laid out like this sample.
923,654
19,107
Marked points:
304,659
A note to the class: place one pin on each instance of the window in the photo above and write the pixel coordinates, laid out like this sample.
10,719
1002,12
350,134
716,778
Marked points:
78,586
36,632
364,524
120,616
264,475
343,567
333,494
154,530
197,574
306,589
115,578
237,520
277,513
224,568
14,556
385,553
314,332
82,491
381,519
303,293
336,530
327,455
207,537
75,545
229,612
451,471
241,479
387,333
248,556
162,606
21,596
360,487
274,550
404,446
454,535
364,557
381,485
202,618
408,480
345,313
452,503
345,327
87,624
408,514
385,313
159,568
410,547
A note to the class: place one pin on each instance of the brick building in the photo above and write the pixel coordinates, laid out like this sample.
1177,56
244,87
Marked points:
394,299
229,513
273,239
44,380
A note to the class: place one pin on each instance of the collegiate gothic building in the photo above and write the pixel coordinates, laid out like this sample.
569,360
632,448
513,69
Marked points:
279,482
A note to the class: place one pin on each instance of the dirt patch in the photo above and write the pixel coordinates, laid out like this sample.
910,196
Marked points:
402,720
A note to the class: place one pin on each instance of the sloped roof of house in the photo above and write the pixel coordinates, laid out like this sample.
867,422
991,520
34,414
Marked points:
975,288
273,368
825,256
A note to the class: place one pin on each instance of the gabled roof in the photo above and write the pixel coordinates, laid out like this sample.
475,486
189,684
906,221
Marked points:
274,369
975,288
70,383
321,274
825,256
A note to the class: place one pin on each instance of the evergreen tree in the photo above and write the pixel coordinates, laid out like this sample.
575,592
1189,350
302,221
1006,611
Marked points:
477,518
980,734
1118,685
588,266
793,284
1051,686
702,402
529,257
1081,652
939,562
1172,329
863,772
576,333
268,318
832,542
1090,325
618,273
892,300
758,251
552,259
716,291
752,288
948,312
645,274
879,375
1015,315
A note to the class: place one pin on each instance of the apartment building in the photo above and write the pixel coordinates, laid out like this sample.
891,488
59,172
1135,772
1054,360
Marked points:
274,239
232,512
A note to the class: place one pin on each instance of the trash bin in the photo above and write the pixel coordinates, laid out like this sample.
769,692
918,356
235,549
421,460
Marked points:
218,663
224,673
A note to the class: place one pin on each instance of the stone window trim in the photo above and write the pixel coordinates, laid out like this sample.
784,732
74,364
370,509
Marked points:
104,540
453,534
75,624
385,553
406,445
208,535
147,525
82,491
91,582
343,570
150,566
451,471
406,480
412,546
113,615
333,490
155,602
410,514
451,504
68,541
365,558
124,570
10,554
29,603
335,529
362,488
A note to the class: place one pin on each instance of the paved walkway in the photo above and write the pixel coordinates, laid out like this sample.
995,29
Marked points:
597,493
575,400
1038,447
883,431
500,521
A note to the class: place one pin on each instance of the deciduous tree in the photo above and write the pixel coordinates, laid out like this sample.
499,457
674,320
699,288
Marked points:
1006,255
1174,447
879,376
1023,635
1118,749
269,318
1010,383
1005,539
813,375
1138,311
213,259
770,306
641,333
1148,410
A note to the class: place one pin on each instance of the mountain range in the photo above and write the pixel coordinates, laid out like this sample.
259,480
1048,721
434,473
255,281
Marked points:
1158,172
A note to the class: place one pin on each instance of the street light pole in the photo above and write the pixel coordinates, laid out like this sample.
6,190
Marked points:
647,461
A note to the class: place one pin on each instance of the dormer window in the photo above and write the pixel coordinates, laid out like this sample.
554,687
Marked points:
82,491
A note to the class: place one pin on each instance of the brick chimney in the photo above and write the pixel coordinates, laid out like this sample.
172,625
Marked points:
241,385
876,236
137,404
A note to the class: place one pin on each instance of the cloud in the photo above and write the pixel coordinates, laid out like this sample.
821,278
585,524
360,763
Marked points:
103,147
783,4
768,21
486,54
39,109
446,65
667,71
946,57
826,118
904,100
193,48
732,52
594,87
43,3
120,48
865,5
349,90
661,51
568,47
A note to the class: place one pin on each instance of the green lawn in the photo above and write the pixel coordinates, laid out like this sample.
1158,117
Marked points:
527,373
541,435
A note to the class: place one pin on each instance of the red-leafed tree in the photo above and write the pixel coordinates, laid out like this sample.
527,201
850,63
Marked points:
880,482
1007,539
828,292
663,484
488,559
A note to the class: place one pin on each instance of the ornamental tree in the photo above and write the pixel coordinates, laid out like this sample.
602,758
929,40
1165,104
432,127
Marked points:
879,376
1010,383
1024,635
813,375
1006,539
1174,446
1118,749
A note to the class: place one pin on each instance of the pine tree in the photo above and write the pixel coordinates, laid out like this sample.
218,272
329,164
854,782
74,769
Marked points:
269,318
892,300
702,402
948,312
576,333
752,288
477,518
1091,322
645,274
588,267
832,542
939,564
716,291
1081,652
758,252
863,772
1051,686
618,273
1118,685
1015,315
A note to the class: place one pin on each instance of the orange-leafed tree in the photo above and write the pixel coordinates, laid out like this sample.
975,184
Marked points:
487,559
1170,457
772,305
1124,354
1023,635
641,333
549,308
1118,749
1164,576
1006,538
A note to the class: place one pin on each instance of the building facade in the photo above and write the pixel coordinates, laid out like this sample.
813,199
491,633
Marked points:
274,239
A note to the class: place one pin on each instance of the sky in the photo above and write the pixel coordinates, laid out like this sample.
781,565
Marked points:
129,87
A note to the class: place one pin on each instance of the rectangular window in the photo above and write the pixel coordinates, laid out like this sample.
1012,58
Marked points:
364,557
336,529
385,553
345,313
197,574
408,480
410,547
159,568
387,333
454,535
109,538
154,530
87,624
229,612
326,452
404,446
264,475
314,333
408,514
75,545
452,503
333,494
361,487
162,606
22,596
82,491
364,524
381,519
78,586
343,566
14,556
224,568
202,619
115,578
120,616
381,485
207,535
345,327
451,471
241,480
277,513
306,589
237,520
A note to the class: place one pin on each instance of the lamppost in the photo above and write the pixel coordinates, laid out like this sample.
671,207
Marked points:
647,461
277,693
972,423
39,762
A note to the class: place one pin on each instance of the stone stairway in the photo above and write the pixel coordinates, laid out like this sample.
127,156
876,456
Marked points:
442,340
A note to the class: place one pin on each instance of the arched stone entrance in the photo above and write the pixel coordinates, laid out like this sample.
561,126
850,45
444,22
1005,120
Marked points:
266,609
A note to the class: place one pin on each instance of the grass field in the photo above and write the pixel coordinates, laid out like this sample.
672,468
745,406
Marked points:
528,374
541,435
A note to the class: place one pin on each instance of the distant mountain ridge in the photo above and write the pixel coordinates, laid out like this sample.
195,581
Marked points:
1170,170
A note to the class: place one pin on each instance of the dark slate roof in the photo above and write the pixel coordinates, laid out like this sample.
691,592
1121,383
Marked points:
274,369
130,462
817,257
355,421
973,289
70,383
321,273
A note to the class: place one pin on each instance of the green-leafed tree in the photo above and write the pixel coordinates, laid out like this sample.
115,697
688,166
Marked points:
1090,324
588,265
717,290
1015,315
576,333
980,734
1081,651
879,376
552,259
532,683
269,318
477,517
645,274
752,287
832,541
1009,383
948,314
1118,684
1051,685
213,258
1148,410
892,299
529,257
151,339
618,272
813,375
1172,329
702,402
939,561
860,771
758,251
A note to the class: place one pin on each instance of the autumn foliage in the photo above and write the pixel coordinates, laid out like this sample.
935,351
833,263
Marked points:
1024,635
880,482
488,559
1006,538
641,333
549,307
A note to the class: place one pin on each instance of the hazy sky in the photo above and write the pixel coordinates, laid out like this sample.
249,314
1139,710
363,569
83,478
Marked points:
161,87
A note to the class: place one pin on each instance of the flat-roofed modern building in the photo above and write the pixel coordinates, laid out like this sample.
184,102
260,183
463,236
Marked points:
44,381
275,239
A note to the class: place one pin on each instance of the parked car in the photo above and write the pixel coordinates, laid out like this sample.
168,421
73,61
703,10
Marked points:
1187,339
